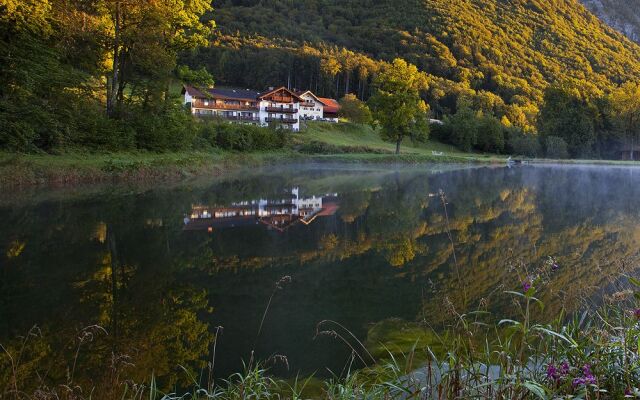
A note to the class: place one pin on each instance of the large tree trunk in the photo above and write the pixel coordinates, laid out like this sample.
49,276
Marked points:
346,85
398,146
121,79
113,87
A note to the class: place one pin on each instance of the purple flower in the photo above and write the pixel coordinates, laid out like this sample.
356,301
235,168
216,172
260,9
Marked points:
526,285
636,313
555,267
552,372
588,376
586,379
628,392
564,368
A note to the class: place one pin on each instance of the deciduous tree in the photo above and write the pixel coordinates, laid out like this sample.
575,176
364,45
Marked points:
396,104
625,110
354,109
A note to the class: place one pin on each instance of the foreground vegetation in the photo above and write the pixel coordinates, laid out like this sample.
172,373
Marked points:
591,354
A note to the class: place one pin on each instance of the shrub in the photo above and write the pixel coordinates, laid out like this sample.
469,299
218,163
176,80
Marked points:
242,137
490,135
464,129
316,147
442,132
169,128
555,147
519,143
354,109
234,137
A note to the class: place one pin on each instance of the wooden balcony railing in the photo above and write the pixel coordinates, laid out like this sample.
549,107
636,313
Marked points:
221,106
307,104
281,99
281,110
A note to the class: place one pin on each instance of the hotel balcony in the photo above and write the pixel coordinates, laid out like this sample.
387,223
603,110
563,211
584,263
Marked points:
281,99
281,110
229,117
222,106
282,120
309,104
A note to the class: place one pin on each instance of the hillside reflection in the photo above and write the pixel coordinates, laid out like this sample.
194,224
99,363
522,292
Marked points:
161,270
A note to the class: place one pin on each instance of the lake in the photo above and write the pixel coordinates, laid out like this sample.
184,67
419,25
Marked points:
130,282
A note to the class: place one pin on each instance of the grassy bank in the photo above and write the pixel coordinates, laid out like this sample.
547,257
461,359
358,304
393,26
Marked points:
73,168
319,142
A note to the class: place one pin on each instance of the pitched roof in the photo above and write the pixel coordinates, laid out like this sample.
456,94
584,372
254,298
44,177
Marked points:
223,93
233,93
193,91
311,93
331,106
268,92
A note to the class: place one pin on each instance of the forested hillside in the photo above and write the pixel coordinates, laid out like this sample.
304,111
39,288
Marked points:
105,75
496,54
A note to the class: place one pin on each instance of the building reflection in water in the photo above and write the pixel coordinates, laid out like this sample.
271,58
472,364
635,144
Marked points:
279,214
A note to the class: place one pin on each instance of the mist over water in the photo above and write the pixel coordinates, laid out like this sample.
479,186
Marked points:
367,247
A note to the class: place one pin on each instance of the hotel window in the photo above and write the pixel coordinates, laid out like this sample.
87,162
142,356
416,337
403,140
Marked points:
206,102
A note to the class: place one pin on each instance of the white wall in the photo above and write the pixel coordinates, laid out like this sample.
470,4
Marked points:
311,113
187,98
264,114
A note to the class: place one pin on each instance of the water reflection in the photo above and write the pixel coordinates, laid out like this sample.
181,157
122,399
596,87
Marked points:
279,214
368,248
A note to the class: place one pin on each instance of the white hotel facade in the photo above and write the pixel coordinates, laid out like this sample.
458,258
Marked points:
277,106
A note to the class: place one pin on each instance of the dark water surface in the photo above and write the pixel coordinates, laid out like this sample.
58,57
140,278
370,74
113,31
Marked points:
139,281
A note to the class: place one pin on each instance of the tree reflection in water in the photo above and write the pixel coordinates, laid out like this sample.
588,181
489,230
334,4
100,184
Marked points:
370,250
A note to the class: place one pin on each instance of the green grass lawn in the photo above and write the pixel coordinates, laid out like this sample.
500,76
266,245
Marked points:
74,167
323,142
354,135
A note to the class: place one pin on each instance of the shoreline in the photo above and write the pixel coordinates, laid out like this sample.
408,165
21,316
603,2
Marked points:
26,171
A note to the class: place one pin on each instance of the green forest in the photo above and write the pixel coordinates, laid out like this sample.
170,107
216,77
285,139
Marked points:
524,77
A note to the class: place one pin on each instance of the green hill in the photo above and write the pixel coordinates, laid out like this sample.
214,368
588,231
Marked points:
472,48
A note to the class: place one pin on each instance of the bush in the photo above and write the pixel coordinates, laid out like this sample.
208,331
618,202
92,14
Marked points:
316,147
441,132
242,137
354,109
169,128
469,130
464,129
556,147
490,135
519,143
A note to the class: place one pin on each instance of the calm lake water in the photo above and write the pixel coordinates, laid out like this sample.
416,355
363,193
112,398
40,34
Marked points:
139,281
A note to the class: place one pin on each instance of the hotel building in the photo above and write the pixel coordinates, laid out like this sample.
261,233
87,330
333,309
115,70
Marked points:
278,106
